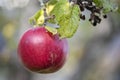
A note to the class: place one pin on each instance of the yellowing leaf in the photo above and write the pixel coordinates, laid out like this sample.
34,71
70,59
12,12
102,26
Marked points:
41,18
38,18
49,8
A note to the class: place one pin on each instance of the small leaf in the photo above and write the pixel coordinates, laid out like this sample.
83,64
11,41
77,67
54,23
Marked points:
38,18
49,8
52,30
50,5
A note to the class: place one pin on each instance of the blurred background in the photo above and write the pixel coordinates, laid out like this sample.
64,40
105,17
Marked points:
94,52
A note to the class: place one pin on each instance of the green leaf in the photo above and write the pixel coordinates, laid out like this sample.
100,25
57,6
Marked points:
60,8
108,5
69,22
67,17
38,18
50,5
52,2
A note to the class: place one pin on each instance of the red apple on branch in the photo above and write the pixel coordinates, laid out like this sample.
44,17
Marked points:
41,51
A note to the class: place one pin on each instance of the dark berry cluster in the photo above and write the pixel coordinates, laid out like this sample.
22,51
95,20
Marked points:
95,11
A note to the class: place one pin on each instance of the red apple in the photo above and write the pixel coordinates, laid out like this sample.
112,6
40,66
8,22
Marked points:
41,51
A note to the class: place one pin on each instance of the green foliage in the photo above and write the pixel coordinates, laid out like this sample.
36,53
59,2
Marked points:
108,5
38,18
60,8
66,15
53,2
69,22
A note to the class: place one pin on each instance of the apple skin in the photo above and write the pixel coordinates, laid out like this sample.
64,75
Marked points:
41,51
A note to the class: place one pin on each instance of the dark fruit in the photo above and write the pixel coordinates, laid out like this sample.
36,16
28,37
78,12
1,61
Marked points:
41,51
96,11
